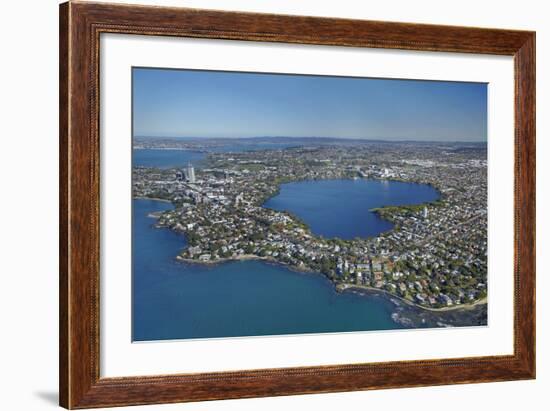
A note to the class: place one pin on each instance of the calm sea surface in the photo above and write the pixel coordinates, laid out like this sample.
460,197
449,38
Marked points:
173,300
166,158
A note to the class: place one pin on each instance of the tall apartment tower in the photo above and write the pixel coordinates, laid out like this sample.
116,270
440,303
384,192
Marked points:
190,172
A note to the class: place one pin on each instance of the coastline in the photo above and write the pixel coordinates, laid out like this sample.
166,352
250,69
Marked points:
170,149
163,200
245,257
338,287
465,307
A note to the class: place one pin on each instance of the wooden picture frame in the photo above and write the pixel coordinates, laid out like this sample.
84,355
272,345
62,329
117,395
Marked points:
80,27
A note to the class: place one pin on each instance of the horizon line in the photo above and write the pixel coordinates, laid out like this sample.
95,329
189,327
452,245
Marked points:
316,137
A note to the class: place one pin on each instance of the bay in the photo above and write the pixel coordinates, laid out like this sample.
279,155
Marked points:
172,300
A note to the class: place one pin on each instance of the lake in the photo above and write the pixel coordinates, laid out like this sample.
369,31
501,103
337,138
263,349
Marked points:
341,208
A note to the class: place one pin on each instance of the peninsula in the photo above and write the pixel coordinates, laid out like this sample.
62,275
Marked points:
434,257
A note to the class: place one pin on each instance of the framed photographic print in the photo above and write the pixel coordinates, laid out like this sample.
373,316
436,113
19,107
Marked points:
256,205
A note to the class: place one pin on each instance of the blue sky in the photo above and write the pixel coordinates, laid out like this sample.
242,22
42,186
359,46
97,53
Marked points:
189,103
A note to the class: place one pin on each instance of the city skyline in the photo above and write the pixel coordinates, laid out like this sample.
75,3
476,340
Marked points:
216,104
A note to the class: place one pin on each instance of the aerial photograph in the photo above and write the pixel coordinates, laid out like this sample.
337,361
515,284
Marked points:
280,204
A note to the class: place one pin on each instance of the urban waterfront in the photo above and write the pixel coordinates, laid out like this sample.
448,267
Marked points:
174,300
435,255
180,300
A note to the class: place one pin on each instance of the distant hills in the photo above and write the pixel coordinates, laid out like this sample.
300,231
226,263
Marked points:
315,140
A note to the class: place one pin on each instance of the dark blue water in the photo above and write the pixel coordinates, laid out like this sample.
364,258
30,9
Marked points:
172,300
340,208
166,158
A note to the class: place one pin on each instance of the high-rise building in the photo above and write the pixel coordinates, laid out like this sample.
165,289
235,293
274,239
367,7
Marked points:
190,173
425,212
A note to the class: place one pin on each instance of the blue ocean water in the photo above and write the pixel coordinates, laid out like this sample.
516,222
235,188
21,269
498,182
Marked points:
341,208
166,158
173,300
